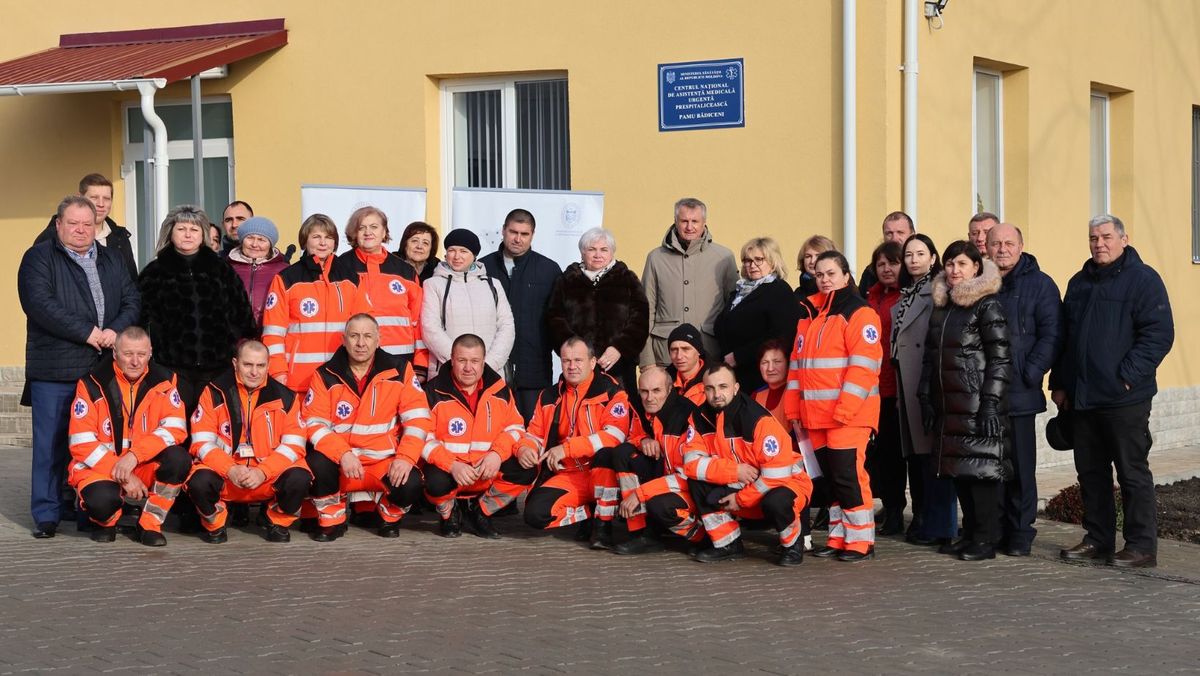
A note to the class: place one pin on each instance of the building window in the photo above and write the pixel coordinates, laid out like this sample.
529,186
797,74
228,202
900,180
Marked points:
509,134
988,146
1099,154
217,121
1196,184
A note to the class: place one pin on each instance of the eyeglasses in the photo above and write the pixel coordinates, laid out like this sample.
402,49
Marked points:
759,261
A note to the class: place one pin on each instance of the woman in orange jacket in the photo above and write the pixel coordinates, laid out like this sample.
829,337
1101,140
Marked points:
305,312
388,289
833,397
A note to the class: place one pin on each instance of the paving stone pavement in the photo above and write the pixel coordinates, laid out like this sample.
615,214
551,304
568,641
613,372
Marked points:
539,604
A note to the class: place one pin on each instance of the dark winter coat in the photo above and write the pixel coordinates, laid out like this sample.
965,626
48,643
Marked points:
967,364
1117,329
195,309
611,313
1034,314
118,240
528,289
807,286
770,311
60,313
427,271
256,277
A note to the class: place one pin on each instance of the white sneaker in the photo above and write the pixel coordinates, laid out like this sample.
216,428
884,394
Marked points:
808,543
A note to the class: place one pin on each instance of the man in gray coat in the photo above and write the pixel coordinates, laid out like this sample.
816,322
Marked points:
687,280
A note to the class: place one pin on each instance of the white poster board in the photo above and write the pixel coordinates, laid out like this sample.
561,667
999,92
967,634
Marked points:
402,206
562,216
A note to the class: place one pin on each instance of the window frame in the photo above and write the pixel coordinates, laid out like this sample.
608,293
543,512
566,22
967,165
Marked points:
999,207
132,153
1107,136
507,85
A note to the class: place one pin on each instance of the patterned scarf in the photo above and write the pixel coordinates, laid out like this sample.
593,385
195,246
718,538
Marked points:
908,295
594,277
746,286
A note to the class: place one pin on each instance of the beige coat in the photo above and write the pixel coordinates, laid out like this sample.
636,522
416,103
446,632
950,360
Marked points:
686,285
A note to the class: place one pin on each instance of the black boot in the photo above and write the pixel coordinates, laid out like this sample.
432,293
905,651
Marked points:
277,533
793,555
954,548
152,538
826,552
731,551
480,522
104,534
640,542
977,551
215,537
584,534
389,530
893,523
328,533
602,537
451,526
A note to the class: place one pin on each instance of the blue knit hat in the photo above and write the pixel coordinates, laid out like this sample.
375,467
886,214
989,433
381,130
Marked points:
258,225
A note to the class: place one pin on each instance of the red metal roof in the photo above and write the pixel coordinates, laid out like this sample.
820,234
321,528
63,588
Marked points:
169,53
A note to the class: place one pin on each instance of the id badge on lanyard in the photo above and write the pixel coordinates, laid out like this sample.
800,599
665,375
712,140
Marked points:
245,449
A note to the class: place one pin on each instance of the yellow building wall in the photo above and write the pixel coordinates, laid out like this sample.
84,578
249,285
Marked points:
354,99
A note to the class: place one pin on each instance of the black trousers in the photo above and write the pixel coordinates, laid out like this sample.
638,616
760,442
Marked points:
327,477
1116,437
291,488
885,459
527,400
980,501
102,499
1020,492
439,482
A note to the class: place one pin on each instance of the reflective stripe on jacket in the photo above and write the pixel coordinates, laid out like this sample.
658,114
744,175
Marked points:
745,433
833,376
388,291
389,419
303,319
270,433
465,435
97,429
584,419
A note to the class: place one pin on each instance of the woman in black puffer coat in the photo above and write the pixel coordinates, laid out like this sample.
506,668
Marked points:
194,306
602,301
964,392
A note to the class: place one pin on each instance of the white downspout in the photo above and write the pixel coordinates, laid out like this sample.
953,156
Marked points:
161,198
911,14
849,134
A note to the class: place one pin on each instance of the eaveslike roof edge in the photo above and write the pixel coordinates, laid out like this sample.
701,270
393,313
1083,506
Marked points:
165,54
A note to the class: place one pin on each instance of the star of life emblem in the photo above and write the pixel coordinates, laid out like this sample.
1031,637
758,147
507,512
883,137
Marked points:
343,410
457,427
771,446
309,307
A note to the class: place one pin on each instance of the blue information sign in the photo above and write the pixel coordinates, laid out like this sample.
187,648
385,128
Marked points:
701,95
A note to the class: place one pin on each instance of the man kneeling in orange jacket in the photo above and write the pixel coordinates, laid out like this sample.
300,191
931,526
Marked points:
367,419
469,455
247,437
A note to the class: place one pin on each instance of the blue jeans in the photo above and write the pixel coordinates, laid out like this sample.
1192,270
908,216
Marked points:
51,408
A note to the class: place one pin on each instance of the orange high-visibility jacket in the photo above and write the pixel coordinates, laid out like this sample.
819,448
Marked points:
99,431
692,390
303,319
744,432
833,376
269,437
389,419
672,428
465,435
584,419
388,290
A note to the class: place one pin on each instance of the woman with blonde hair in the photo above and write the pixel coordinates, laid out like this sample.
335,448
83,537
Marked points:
806,263
761,307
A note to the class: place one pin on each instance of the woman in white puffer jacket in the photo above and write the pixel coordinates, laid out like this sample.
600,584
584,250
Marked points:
460,298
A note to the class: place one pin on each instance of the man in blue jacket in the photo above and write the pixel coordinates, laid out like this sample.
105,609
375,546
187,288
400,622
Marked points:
527,277
1032,306
1118,328
77,296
